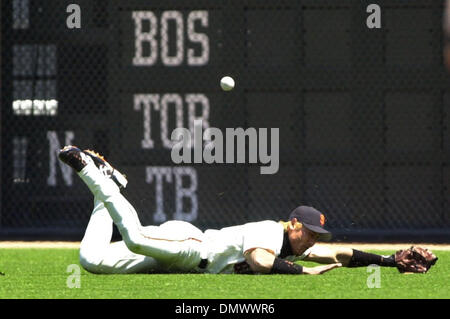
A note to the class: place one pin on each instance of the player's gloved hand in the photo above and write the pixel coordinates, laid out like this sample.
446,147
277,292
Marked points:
414,259
318,270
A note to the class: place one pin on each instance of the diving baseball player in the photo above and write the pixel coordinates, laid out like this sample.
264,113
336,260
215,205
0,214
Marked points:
265,247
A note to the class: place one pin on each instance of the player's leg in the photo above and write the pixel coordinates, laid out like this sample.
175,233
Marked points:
174,244
166,246
183,241
99,255
97,236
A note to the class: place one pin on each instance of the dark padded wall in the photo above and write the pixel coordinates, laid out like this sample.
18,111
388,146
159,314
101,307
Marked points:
362,113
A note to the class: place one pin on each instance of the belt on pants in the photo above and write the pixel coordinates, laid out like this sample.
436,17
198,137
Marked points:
203,263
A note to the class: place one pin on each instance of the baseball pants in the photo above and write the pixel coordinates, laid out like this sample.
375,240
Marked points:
174,246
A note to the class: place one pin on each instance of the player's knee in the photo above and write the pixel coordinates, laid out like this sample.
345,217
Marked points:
85,263
134,244
134,247
89,261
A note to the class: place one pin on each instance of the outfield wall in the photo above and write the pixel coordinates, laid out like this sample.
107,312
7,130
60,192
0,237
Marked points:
362,112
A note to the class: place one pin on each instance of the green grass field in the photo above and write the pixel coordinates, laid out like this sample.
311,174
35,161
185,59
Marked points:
42,273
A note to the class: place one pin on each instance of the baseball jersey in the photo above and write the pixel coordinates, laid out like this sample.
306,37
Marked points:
226,247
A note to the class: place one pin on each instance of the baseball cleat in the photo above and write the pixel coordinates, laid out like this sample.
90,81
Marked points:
106,169
74,157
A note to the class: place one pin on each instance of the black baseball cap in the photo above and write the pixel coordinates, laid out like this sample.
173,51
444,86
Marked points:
312,219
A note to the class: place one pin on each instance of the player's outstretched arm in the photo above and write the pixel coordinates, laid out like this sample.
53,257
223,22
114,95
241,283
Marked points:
318,270
329,255
414,259
260,260
265,262
348,257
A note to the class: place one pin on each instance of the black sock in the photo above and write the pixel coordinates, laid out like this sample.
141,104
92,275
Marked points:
361,259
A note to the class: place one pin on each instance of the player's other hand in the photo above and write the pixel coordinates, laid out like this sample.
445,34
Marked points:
320,269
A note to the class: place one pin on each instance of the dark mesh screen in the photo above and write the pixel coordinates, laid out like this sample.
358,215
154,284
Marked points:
362,113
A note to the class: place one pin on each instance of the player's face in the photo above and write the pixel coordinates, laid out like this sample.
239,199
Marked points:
301,239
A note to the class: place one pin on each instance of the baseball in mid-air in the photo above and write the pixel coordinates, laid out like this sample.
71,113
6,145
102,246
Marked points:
227,83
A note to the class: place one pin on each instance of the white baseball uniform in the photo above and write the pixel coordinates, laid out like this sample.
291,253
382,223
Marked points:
174,246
